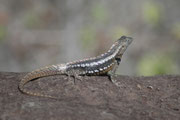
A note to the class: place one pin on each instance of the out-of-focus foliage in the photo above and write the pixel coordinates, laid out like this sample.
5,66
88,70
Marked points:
156,65
176,30
88,38
3,32
3,24
35,30
99,13
151,13
32,20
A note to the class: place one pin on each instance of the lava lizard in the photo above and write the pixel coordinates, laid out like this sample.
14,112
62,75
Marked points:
106,63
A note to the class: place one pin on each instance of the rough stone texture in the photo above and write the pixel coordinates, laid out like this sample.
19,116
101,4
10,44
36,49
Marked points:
95,98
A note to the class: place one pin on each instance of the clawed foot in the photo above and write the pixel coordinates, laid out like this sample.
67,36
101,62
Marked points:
113,80
73,78
78,77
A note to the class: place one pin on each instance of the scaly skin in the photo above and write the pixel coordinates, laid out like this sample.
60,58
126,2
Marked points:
106,63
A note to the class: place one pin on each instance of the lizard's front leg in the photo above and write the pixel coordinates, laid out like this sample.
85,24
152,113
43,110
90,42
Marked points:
112,75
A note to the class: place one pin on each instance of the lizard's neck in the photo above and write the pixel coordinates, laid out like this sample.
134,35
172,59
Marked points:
113,51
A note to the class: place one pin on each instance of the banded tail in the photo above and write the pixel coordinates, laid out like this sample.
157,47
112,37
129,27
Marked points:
43,72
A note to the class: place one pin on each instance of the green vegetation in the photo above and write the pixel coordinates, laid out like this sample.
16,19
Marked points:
156,65
88,37
32,20
151,13
88,34
3,32
176,30
99,13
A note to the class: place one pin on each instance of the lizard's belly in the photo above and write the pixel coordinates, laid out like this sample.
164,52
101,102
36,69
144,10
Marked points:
93,67
100,70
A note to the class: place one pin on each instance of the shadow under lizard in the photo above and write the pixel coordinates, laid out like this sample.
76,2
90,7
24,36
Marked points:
106,63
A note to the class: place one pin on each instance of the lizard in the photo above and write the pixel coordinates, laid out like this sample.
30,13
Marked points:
106,63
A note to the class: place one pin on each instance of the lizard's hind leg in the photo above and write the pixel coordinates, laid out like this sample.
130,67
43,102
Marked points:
75,74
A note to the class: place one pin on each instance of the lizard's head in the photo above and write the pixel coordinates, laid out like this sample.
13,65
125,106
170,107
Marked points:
124,42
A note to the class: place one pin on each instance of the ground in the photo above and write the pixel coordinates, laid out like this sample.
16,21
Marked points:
94,98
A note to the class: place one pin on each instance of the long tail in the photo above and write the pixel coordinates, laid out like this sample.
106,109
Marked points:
47,71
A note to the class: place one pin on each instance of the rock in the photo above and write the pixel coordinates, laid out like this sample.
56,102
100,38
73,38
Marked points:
94,98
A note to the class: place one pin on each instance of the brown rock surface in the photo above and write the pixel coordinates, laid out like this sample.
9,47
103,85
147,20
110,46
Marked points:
95,98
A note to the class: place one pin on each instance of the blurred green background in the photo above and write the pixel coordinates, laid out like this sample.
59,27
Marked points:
44,32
